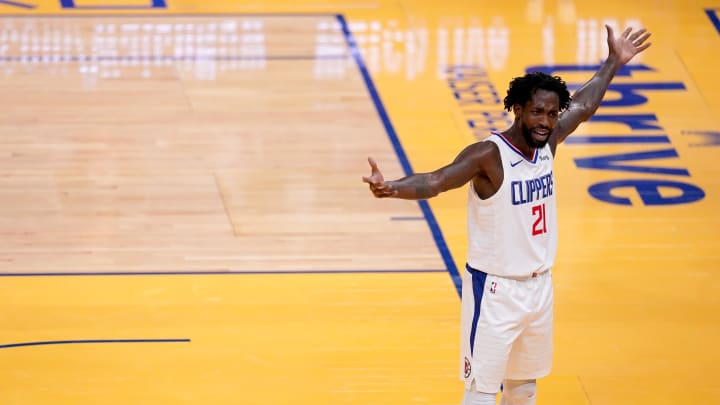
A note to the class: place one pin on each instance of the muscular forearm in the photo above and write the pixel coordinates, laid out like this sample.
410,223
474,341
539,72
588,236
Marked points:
415,187
471,161
588,97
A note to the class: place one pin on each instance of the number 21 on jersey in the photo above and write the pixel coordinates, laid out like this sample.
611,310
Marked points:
540,225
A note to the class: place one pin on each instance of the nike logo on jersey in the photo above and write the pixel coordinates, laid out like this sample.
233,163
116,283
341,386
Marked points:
515,164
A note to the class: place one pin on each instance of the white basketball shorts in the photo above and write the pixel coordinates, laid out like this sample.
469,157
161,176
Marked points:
506,329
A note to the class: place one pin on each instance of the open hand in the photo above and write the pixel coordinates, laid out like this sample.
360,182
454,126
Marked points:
628,44
377,183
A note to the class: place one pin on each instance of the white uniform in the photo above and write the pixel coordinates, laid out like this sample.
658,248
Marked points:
507,292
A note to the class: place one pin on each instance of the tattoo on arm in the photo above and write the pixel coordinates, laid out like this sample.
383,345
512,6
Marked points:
423,191
468,164
416,186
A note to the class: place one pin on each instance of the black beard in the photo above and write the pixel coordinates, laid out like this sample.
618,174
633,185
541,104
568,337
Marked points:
527,135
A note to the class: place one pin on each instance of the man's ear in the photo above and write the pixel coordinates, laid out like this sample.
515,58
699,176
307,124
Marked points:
517,109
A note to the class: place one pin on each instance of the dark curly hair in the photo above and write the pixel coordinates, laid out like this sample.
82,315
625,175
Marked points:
522,89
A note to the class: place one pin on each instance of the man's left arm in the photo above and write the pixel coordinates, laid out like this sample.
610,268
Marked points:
586,100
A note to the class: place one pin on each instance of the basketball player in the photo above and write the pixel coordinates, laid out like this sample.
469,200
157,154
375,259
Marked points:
507,294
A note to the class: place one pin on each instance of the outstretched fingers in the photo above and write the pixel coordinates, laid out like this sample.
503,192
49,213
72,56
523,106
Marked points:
610,32
640,42
377,183
637,34
375,175
630,42
373,164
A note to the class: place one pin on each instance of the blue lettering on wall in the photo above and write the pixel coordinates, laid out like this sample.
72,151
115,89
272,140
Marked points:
714,19
648,190
151,4
625,71
710,138
631,95
608,139
478,98
634,121
609,162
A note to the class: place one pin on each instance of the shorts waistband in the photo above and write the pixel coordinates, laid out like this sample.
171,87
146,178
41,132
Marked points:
520,278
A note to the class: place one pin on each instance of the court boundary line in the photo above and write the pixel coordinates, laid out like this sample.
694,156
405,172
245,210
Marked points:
38,60
163,14
400,152
214,273
355,52
88,341
17,4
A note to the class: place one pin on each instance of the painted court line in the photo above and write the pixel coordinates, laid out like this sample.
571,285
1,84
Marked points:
132,58
211,273
17,4
382,113
400,152
92,341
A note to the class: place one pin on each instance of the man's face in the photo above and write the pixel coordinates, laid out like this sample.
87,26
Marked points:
538,117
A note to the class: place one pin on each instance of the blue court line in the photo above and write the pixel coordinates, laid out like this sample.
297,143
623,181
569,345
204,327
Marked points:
87,341
117,7
70,4
400,152
163,14
133,58
17,4
712,14
212,273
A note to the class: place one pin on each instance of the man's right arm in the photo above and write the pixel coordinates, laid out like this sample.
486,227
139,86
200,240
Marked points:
472,161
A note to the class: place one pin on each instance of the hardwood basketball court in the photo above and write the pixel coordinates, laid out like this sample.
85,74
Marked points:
183,219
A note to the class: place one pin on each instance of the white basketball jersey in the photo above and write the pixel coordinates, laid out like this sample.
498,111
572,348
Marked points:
514,232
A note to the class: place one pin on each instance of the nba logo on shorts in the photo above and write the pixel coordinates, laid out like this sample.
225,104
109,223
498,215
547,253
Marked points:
467,369
493,287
